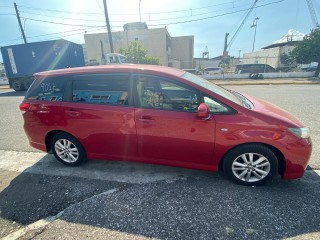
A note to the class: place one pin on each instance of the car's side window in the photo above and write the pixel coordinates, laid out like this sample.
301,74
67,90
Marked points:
108,90
49,89
165,94
215,106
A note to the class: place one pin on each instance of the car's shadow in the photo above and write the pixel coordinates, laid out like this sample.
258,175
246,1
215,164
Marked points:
161,202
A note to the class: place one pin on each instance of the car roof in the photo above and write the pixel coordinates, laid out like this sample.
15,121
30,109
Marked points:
139,68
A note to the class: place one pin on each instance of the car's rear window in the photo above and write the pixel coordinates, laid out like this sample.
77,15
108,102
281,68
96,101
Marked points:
47,89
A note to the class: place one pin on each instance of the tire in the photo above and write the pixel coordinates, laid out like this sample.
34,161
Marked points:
250,165
17,85
68,150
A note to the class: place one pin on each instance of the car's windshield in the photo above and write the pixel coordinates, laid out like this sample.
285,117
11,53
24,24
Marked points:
212,87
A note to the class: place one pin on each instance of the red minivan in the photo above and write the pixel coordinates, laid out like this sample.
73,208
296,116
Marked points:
162,115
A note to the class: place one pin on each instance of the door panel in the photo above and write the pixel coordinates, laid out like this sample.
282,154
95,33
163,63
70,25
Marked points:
102,116
168,129
106,131
174,136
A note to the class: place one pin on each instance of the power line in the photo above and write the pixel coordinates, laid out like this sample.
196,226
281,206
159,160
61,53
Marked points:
193,9
154,25
51,16
96,28
60,23
92,30
81,30
128,14
219,15
99,6
6,7
199,14
151,20
162,24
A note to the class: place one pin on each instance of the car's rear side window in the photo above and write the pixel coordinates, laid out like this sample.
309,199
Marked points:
112,90
48,89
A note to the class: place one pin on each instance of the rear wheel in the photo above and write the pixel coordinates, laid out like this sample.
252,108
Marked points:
250,165
17,85
68,150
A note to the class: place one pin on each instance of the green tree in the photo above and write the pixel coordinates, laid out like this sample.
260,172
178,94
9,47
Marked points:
201,69
151,60
136,53
287,60
308,50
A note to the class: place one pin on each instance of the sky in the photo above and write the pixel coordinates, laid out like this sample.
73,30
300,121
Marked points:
206,20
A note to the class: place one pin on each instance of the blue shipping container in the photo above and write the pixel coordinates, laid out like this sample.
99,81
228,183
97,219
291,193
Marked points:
23,60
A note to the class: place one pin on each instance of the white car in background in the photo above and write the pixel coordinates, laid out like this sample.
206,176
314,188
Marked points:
4,80
213,70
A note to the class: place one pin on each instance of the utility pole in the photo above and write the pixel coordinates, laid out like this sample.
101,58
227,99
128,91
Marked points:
108,25
18,17
139,10
255,24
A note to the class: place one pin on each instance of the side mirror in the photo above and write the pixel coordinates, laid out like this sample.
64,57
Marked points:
203,111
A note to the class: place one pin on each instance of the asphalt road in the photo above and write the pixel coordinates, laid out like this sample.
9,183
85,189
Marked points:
120,200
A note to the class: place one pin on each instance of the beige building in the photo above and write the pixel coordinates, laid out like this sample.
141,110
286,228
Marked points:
172,51
271,54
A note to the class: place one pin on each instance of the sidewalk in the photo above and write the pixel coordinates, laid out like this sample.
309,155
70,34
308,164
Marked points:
270,81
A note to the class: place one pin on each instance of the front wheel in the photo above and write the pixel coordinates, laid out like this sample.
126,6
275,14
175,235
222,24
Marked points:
68,150
250,165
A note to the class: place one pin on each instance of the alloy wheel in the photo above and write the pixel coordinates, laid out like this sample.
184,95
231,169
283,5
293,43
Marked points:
251,167
66,150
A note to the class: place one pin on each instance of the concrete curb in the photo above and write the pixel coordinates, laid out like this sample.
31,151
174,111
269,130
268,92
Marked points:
4,86
263,83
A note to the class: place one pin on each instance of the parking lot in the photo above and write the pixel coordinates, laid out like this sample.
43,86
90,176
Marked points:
122,200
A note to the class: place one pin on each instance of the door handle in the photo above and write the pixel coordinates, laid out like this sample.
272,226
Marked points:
72,113
146,119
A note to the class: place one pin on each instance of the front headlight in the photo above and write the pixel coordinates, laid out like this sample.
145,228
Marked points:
300,132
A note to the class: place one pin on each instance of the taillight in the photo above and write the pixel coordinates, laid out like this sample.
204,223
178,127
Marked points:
24,106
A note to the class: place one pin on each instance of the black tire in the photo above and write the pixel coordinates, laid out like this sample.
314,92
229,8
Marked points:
17,85
238,167
67,149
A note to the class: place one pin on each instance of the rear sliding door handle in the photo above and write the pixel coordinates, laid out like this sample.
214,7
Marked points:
146,119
